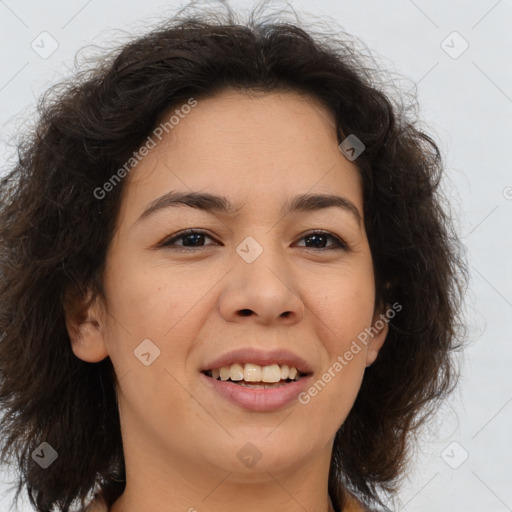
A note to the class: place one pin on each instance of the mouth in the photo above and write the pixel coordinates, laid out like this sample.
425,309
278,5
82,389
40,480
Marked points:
257,380
251,375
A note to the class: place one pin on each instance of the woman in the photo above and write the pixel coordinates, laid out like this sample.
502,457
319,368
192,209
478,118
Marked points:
228,277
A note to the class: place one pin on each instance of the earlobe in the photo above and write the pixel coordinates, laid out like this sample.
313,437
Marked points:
85,330
381,327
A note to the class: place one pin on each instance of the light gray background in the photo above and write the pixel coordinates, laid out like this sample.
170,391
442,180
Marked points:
467,104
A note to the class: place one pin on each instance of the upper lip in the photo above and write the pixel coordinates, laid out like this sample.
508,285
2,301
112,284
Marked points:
261,357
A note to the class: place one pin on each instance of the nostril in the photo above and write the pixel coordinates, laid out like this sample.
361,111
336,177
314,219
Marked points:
245,312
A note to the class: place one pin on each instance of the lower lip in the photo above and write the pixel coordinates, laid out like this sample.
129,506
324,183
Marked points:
254,399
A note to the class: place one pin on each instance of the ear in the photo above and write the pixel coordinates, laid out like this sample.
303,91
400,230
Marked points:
86,327
379,329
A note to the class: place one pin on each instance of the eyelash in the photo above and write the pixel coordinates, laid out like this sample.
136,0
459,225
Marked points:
168,243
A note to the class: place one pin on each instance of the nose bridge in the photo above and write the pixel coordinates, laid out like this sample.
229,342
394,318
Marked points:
263,263
261,240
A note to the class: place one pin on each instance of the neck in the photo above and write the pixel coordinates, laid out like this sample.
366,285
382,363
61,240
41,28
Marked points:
156,480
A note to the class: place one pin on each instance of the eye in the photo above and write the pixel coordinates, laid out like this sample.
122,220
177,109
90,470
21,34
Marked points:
194,239
318,238
192,236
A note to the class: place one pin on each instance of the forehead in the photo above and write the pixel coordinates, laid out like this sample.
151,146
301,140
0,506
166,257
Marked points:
253,147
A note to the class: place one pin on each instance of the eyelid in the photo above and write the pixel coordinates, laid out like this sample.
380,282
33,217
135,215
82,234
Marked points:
338,241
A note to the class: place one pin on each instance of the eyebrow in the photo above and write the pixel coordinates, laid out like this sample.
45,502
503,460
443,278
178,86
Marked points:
214,203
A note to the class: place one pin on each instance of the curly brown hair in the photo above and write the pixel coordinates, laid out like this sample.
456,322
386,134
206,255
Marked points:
55,233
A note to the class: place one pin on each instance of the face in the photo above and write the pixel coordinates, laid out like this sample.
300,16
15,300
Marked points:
275,283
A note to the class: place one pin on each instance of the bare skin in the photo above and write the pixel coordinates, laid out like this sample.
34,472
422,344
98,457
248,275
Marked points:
181,439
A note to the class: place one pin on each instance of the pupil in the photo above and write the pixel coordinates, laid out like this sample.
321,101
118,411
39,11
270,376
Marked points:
192,235
316,237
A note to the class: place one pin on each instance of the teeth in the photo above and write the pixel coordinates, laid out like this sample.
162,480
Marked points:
271,373
250,372
236,372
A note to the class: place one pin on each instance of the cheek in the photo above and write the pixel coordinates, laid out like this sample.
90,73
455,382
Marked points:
345,306
345,311
151,305
152,299
166,306
333,390
327,401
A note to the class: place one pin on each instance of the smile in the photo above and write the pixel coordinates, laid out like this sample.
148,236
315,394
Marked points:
255,387
260,376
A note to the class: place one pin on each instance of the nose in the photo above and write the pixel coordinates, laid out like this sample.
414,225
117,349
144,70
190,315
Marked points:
264,291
